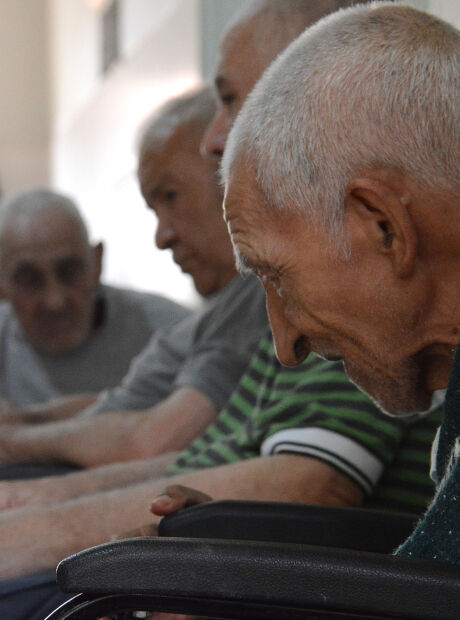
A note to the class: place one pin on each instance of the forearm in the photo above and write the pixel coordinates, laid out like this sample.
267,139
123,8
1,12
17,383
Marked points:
113,437
55,489
284,478
35,539
60,408
87,442
57,409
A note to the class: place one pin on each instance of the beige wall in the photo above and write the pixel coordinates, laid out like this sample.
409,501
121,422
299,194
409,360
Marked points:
24,94
53,94
96,121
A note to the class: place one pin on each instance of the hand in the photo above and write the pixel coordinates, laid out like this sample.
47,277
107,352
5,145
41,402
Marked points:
176,497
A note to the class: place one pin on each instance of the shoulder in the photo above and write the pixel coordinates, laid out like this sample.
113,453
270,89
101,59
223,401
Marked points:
6,313
158,310
241,294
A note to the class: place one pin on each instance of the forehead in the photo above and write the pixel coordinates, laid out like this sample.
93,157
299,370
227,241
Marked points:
41,240
240,65
175,157
260,236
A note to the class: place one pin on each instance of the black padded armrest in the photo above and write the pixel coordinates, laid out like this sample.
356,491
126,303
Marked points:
277,576
350,528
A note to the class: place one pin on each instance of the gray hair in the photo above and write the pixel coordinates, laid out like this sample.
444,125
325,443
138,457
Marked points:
194,108
34,203
376,84
275,23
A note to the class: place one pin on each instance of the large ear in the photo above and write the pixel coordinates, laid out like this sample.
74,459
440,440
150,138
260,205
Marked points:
98,250
379,204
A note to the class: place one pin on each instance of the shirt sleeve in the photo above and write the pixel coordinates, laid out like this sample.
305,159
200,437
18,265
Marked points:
152,373
321,414
226,338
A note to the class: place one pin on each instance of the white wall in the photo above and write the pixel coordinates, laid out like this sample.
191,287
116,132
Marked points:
449,10
24,95
166,46
96,123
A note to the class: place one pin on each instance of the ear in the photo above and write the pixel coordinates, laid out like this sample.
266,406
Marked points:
98,250
378,204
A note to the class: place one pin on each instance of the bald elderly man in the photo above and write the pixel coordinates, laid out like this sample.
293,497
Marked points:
342,195
61,331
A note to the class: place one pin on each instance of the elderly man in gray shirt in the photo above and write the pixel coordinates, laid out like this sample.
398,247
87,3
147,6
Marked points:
61,331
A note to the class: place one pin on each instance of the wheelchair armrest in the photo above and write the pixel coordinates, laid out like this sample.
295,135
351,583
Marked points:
278,576
352,528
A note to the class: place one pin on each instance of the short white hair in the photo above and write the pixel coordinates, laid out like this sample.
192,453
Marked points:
275,23
35,202
195,108
376,84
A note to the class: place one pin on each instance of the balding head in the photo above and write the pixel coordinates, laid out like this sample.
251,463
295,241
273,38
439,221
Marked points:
273,24
373,85
25,210
351,142
193,109
258,34
49,272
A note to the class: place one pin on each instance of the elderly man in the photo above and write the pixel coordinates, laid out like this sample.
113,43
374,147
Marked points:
60,329
343,197
256,447
184,377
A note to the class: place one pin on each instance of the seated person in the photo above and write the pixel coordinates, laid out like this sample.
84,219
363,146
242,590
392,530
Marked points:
188,371
61,331
303,434
355,232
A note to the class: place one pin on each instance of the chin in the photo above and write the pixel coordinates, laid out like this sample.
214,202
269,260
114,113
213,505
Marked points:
61,346
395,398
399,407
205,287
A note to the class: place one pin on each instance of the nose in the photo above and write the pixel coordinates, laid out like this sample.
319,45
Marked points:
164,235
54,295
213,143
290,344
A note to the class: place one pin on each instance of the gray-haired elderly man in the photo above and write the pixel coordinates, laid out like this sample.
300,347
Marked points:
343,196
61,331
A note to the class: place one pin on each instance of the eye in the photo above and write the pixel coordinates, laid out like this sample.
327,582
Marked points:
69,271
29,279
228,99
170,196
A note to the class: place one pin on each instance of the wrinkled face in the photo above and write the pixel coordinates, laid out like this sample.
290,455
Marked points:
180,186
239,69
50,276
319,301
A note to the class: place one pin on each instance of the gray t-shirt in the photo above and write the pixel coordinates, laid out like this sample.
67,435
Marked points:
208,351
129,318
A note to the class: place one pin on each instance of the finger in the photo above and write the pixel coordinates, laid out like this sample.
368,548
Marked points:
151,529
176,497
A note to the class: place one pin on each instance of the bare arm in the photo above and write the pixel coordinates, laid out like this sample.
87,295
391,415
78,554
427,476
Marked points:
32,539
56,409
56,489
112,437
